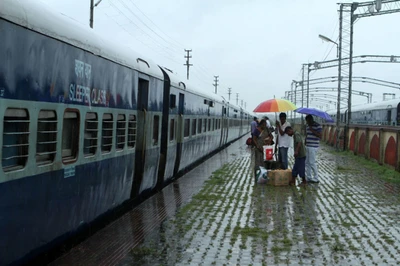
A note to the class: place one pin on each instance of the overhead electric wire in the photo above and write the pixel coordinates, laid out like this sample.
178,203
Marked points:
135,37
139,28
137,17
177,44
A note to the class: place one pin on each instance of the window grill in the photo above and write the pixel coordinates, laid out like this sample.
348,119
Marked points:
107,133
121,132
15,139
46,143
172,129
70,136
199,126
131,131
186,131
156,126
194,123
91,134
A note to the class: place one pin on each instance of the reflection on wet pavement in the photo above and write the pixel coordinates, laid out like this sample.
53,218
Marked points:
350,218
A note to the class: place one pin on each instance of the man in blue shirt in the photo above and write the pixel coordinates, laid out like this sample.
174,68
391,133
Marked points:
314,133
253,125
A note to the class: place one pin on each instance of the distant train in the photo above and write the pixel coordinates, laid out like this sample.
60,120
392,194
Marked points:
381,113
88,125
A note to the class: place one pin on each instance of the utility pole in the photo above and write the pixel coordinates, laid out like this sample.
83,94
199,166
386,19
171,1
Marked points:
216,84
187,62
92,6
229,93
237,98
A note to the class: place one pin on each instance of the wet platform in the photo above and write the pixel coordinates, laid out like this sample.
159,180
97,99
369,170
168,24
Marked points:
215,215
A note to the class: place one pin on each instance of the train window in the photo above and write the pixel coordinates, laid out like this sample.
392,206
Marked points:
121,131
46,143
186,131
91,134
131,131
15,139
172,129
209,124
199,126
172,101
156,126
204,125
70,136
194,121
107,133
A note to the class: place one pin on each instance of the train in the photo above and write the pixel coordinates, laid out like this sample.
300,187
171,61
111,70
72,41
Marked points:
385,113
88,125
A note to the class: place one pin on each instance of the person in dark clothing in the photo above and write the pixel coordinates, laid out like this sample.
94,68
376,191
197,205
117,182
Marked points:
253,125
261,136
299,167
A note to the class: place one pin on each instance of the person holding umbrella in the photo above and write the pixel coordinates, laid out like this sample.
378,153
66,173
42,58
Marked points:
314,134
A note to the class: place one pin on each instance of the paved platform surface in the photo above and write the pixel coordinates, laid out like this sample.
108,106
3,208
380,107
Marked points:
216,215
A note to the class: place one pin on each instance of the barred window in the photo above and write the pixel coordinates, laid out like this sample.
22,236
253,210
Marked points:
172,129
70,136
91,134
194,121
156,126
46,143
107,133
186,131
121,132
131,131
199,126
15,139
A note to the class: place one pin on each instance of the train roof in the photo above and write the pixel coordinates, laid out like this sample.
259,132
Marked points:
376,105
382,105
179,82
39,17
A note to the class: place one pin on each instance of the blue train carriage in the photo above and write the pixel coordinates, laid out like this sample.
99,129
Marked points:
81,122
236,125
197,116
377,113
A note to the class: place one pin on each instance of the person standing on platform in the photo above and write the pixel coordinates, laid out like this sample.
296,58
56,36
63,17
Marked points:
299,167
314,133
268,122
261,137
253,125
283,141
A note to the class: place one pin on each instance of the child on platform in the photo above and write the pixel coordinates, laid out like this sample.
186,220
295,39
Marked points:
299,167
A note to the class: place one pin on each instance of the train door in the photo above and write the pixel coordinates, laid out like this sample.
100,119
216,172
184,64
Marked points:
389,117
179,131
141,134
224,128
398,115
168,102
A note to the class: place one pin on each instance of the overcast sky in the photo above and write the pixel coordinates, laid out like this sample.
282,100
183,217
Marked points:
256,47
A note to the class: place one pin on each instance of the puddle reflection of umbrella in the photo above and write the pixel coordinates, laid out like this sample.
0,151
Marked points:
275,105
316,112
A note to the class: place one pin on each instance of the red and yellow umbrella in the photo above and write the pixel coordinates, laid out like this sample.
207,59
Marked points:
275,105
